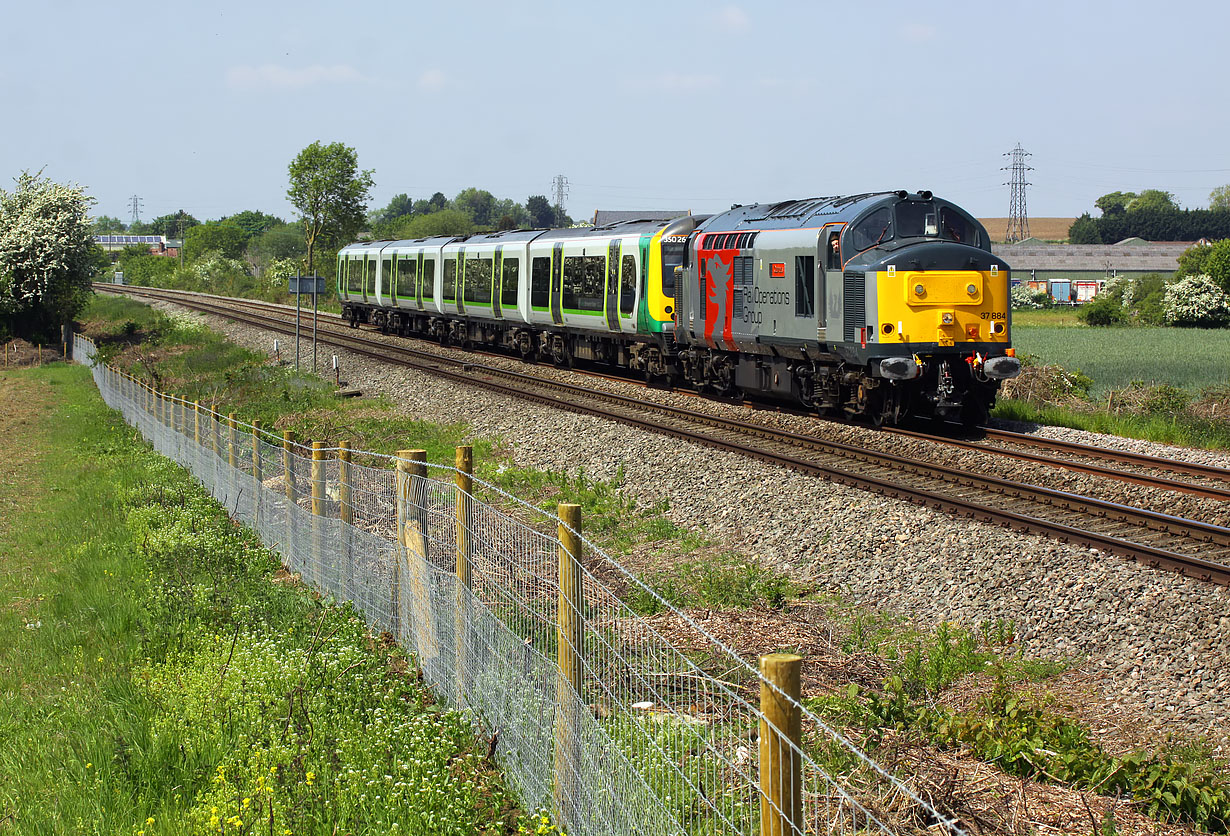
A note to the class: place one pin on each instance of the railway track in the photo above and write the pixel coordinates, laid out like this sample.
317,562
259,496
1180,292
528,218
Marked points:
1190,547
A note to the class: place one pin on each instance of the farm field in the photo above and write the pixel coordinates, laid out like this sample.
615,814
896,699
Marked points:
1190,359
1046,229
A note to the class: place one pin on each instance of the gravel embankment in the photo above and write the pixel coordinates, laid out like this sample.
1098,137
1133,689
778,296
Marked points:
1159,643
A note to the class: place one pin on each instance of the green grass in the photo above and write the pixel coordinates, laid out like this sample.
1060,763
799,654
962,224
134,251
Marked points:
1171,429
1063,316
153,680
1190,359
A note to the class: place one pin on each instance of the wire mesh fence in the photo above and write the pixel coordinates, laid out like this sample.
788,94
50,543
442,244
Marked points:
517,620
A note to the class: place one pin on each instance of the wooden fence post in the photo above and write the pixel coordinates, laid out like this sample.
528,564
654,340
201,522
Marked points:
196,429
781,789
465,484
318,511
288,466
402,493
345,510
258,478
569,641
230,440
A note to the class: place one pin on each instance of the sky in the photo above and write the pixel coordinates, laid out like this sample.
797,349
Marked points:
641,105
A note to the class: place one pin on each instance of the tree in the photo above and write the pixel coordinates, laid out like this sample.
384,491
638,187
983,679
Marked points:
541,213
1115,203
1154,199
106,225
1217,263
253,222
222,237
444,222
1084,230
479,204
1219,199
400,206
175,225
47,254
330,193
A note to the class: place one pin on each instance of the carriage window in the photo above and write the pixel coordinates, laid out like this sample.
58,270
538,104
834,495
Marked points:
354,276
804,285
540,283
627,286
450,280
873,229
407,270
369,281
386,274
478,281
512,275
429,279
591,287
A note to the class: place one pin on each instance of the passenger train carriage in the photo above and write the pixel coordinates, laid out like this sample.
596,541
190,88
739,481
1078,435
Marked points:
880,305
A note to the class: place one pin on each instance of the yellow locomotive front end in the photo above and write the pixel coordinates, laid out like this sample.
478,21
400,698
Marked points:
938,308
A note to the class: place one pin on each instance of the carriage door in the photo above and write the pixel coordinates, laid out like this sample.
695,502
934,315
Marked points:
418,282
459,290
612,284
497,283
557,283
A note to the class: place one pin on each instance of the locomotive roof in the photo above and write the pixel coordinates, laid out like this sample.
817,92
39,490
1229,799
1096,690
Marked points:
794,214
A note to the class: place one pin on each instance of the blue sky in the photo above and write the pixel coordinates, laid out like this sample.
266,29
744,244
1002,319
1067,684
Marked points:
667,105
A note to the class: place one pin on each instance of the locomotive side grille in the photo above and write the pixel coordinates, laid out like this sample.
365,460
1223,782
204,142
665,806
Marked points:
854,289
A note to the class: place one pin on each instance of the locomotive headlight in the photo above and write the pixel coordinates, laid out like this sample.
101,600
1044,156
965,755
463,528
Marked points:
919,290
972,290
948,318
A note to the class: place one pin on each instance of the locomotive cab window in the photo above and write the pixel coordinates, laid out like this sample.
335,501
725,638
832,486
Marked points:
874,229
916,219
955,226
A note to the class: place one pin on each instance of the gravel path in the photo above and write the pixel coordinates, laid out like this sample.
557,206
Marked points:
1159,643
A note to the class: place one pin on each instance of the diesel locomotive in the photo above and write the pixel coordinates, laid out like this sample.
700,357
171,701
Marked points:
878,305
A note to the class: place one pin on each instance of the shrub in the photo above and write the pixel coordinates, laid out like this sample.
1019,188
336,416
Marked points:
1025,298
1105,309
1196,301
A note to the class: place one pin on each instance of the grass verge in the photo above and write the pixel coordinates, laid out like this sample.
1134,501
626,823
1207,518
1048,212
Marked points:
155,679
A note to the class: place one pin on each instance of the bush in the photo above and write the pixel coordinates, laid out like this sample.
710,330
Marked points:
1196,301
1105,309
1025,298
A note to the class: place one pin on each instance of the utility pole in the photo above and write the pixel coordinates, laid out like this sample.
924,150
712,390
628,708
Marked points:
135,202
559,190
1018,217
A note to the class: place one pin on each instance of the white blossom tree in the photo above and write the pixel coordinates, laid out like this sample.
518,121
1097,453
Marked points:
47,254
1197,301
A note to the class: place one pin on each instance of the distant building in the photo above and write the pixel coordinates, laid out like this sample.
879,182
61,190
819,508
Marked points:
605,217
158,244
1077,272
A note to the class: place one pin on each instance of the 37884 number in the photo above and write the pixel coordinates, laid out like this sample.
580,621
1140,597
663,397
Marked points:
994,315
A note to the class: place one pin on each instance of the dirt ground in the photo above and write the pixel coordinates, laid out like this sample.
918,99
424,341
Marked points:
18,353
